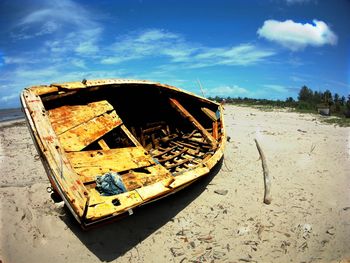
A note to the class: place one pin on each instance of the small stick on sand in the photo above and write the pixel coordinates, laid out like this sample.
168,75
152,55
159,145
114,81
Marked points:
267,182
226,166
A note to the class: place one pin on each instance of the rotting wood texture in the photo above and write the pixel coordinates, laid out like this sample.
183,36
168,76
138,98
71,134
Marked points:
89,164
154,174
84,134
67,117
210,114
49,145
176,105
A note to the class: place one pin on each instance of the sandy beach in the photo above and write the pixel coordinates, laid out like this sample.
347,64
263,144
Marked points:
221,218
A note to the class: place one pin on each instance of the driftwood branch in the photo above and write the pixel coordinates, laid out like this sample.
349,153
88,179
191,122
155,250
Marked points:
267,182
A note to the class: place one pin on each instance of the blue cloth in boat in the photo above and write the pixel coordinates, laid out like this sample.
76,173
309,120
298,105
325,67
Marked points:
217,114
110,184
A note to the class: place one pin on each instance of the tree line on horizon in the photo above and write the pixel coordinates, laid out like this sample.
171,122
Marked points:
307,100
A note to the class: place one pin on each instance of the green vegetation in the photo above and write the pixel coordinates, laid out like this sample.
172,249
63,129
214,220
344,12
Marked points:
308,102
342,122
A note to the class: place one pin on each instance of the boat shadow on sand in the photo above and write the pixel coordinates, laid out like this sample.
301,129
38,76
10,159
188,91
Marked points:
108,242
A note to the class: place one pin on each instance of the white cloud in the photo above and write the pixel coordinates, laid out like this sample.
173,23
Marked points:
155,35
296,36
48,28
78,63
149,43
36,16
225,91
57,18
159,43
244,54
21,59
88,47
36,74
62,12
25,32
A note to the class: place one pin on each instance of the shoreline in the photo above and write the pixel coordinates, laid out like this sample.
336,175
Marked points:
12,123
12,119
11,114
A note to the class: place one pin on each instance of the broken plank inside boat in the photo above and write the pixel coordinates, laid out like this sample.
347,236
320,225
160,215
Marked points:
109,146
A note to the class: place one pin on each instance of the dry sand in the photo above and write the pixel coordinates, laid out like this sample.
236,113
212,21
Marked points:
307,221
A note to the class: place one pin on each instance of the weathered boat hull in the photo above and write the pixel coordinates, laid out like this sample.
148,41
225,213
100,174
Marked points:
154,138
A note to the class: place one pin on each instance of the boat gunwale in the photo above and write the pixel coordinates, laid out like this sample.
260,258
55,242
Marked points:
73,86
43,158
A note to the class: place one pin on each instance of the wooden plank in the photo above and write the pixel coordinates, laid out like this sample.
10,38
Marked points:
169,137
49,144
211,160
70,85
196,141
189,135
164,152
84,134
60,95
154,190
183,144
104,205
172,156
176,105
152,129
189,176
178,163
130,136
97,198
120,159
215,130
103,144
41,90
66,117
210,114
134,180
89,164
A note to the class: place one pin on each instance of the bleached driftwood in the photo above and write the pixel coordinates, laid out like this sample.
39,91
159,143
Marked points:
267,182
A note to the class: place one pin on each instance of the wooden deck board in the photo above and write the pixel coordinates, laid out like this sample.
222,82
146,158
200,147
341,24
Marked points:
41,90
67,117
89,164
103,205
86,133
154,190
134,180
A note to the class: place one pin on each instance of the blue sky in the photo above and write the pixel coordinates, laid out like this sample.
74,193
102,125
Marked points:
261,49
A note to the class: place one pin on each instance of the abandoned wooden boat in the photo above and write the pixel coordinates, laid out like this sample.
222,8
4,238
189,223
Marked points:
143,139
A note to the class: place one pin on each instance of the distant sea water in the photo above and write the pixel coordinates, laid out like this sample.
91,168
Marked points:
11,114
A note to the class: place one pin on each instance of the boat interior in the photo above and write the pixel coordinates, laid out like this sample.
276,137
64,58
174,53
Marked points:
145,133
